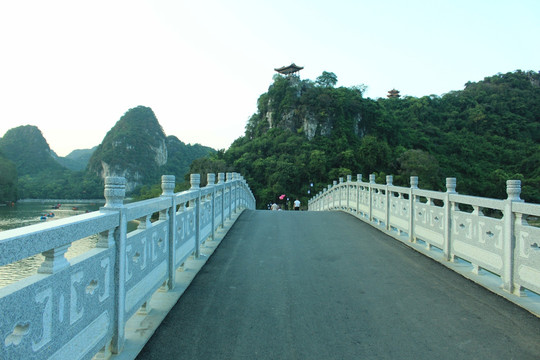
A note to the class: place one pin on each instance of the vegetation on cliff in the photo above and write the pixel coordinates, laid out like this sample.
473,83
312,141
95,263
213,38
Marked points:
8,180
28,149
37,171
77,159
134,148
307,132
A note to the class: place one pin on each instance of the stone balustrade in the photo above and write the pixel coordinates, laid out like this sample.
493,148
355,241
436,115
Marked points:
78,309
486,240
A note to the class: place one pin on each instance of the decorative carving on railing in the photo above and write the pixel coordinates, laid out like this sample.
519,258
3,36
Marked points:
73,309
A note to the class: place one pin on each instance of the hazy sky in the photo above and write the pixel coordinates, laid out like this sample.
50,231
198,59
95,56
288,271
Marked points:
73,68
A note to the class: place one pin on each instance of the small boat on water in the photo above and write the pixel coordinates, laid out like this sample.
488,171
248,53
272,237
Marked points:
74,208
43,218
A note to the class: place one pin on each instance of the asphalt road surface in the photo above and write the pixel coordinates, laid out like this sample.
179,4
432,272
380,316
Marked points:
319,285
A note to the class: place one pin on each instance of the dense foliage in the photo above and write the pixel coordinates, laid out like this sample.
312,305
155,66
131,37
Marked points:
77,159
8,180
308,132
28,149
181,156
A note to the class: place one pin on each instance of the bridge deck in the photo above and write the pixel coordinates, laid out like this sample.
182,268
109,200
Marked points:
314,285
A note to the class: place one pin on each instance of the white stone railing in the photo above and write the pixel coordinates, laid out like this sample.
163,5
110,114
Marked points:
78,309
477,237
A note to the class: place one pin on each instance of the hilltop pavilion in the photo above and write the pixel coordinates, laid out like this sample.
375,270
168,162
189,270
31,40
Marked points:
393,94
289,70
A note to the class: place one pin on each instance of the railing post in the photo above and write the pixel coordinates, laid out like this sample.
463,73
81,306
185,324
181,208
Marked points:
236,178
335,192
371,181
211,181
221,183
243,192
229,183
513,189
115,191
167,187
412,200
450,189
329,196
358,192
340,205
389,181
349,179
243,184
195,180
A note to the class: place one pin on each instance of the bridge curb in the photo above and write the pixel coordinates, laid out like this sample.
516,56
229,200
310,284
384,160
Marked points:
140,328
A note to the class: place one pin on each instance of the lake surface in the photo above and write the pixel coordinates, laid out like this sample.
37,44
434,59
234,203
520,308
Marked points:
24,214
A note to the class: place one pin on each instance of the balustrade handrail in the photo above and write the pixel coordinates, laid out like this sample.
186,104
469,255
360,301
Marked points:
79,308
493,239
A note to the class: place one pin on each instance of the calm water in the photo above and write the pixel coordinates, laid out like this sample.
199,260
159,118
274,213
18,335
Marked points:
24,214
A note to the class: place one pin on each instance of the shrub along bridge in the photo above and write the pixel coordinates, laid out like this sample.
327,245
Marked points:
283,284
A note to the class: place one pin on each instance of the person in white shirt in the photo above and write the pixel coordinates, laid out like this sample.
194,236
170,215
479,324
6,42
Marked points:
297,205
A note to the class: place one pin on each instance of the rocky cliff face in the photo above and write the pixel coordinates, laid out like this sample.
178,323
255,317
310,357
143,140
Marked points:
314,110
134,148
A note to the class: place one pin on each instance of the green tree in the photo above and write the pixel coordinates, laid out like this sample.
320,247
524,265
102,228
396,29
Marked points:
8,180
327,79
373,155
422,164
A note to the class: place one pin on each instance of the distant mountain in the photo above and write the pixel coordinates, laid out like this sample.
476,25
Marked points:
134,148
181,156
82,155
8,180
77,159
27,148
137,149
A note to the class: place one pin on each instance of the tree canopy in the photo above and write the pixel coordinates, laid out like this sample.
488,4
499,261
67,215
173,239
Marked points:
327,79
306,132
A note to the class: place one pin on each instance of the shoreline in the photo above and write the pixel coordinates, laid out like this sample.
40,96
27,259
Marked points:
62,201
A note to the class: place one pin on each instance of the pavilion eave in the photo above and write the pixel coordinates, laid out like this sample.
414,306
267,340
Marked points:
290,69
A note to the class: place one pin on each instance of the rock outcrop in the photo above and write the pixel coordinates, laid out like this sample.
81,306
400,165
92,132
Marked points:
134,148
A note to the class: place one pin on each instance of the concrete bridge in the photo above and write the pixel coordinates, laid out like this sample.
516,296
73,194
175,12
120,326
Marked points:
319,285
386,276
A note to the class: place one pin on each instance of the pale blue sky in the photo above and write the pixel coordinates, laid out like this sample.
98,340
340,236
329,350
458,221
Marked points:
73,68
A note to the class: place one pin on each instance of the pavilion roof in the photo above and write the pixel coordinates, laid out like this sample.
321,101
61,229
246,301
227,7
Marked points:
290,69
393,93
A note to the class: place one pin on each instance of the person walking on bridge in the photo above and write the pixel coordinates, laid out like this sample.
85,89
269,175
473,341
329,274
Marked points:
297,205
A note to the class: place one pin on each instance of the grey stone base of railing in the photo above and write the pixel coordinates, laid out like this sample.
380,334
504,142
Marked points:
528,300
141,326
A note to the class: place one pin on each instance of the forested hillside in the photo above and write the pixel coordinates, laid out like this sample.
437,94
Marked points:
309,132
77,159
38,173
134,148
28,149
8,180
